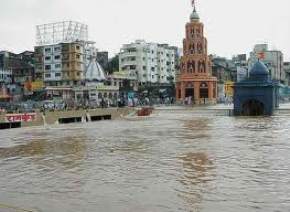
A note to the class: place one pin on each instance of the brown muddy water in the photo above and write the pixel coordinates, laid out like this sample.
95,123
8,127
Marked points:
177,160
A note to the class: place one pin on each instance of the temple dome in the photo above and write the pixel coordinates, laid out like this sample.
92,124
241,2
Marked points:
94,71
194,16
259,71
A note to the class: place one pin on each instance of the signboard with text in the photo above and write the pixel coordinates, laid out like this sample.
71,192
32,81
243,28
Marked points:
25,117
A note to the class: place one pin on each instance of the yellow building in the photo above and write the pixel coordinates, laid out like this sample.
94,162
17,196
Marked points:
229,89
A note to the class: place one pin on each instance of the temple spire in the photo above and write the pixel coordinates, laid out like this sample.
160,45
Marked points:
194,15
193,5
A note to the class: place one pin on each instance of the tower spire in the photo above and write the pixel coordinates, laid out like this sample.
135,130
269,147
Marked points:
194,15
193,5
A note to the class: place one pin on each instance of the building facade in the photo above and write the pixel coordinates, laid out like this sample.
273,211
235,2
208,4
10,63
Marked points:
287,72
273,59
17,73
195,82
149,62
61,64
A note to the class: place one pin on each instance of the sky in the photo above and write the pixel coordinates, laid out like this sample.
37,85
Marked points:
231,26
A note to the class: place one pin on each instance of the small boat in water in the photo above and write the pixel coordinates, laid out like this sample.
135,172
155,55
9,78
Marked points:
145,111
140,114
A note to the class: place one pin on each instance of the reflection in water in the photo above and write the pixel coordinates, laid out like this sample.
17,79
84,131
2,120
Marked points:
200,127
197,169
67,152
176,161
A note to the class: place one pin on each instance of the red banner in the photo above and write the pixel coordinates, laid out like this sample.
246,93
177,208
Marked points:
25,117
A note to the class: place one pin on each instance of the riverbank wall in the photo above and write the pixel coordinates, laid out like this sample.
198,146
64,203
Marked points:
62,117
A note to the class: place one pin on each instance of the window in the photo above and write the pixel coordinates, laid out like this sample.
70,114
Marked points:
78,47
47,50
47,75
78,56
57,57
132,67
57,66
57,74
144,67
57,49
65,56
47,67
48,58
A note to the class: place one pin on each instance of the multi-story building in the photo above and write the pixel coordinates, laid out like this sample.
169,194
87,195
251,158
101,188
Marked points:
62,53
241,67
149,62
273,59
21,66
5,76
63,63
287,72
17,71
195,83
67,64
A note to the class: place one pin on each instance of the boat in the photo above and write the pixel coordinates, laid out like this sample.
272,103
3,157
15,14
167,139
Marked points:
145,111
140,114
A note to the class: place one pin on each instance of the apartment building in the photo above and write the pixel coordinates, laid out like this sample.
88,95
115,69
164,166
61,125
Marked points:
63,53
273,59
149,62
61,64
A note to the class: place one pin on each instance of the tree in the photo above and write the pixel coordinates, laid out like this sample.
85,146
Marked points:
113,65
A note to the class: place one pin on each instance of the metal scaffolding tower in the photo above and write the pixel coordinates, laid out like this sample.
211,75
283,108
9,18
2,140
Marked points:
61,32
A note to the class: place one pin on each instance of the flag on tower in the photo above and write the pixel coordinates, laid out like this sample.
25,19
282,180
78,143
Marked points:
193,3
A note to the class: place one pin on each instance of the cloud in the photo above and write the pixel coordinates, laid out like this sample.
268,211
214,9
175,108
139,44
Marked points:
232,27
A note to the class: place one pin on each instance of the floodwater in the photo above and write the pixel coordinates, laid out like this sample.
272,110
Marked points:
178,160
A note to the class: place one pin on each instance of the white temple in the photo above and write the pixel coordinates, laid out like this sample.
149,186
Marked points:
94,72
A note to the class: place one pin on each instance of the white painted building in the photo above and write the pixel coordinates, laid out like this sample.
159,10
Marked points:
273,59
287,72
149,62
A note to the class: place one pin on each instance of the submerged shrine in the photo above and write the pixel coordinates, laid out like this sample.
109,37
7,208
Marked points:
257,95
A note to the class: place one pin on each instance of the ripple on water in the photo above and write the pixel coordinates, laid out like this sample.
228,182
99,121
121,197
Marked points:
176,161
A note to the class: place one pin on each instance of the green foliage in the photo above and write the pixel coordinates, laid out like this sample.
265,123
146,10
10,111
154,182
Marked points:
113,65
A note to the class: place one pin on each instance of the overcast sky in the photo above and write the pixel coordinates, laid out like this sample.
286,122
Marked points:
231,26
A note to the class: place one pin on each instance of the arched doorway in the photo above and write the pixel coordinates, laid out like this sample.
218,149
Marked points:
189,90
203,90
253,107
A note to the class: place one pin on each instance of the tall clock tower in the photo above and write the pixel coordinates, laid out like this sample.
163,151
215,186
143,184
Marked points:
195,83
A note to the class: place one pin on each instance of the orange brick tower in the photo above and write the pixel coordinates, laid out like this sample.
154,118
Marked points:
195,83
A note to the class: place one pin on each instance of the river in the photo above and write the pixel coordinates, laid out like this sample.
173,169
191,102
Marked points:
177,160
